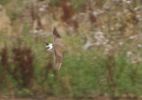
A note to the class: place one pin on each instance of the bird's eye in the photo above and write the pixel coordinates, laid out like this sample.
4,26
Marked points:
47,43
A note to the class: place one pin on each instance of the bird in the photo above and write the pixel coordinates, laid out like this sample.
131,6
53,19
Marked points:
57,48
49,46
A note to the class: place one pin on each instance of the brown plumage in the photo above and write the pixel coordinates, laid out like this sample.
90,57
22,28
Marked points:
58,48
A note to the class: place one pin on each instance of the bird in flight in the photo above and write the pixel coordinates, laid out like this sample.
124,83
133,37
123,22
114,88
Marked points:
57,48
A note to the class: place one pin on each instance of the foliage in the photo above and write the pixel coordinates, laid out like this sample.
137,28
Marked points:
111,65
3,2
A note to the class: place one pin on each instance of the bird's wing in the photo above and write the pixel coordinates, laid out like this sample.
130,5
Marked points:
56,34
58,49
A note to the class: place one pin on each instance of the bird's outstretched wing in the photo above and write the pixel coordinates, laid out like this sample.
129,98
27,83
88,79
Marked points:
55,33
58,50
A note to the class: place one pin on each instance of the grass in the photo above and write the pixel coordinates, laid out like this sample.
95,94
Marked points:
82,71
86,72
3,2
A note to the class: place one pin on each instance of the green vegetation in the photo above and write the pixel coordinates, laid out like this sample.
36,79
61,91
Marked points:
82,72
111,65
3,2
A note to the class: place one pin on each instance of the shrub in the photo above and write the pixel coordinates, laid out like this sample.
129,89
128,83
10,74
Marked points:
23,71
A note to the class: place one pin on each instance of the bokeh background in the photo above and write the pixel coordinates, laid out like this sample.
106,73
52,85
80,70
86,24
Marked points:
103,44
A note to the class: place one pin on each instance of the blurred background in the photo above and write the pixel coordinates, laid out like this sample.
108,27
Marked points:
103,43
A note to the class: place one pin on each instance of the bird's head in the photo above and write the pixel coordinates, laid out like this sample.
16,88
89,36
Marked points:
49,46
